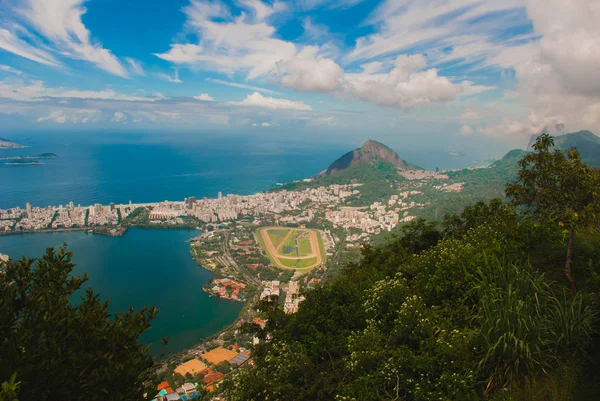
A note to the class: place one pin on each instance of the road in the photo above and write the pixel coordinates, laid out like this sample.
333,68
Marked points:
240,270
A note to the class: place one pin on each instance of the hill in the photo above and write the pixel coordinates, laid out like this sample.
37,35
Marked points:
374,165
6,144
585,141
370,152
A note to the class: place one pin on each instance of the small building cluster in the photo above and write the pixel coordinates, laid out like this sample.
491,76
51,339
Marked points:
292,298
271,289
227,288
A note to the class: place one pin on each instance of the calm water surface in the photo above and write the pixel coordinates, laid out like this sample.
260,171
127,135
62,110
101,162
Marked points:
145,267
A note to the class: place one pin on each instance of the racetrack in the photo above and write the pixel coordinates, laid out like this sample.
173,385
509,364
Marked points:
275,252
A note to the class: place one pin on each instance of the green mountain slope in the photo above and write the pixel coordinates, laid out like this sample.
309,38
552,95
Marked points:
379,177
586,142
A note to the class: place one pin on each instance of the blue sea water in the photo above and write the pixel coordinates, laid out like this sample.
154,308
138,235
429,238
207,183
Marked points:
149,168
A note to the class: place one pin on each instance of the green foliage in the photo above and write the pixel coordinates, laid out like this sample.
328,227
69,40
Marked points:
460,313
556,187
524,326
61,349
10,389
380,179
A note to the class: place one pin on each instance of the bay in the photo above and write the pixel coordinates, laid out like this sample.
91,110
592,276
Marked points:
145,267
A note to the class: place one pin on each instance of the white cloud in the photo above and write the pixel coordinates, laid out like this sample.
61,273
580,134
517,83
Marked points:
9,69
56,116
245,43
173,79
469,114
205,97
37,91
314,31
329,121
60,22
465,130
405,24
558,76
258,100
265,125
405,86
13,44
135,67
119,117
309,73
73,116
242,86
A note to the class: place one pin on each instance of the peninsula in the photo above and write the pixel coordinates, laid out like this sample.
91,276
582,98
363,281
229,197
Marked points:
6,144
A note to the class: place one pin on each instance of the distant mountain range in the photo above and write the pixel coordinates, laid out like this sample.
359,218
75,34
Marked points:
6,144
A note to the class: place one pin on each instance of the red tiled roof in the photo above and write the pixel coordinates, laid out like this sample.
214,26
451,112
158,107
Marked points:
212,378
163,385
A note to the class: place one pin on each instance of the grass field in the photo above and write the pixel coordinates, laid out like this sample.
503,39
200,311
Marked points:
298,263
279,245
289,241
304,246
277,236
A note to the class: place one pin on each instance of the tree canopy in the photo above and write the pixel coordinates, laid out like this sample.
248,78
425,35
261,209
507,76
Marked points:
59,347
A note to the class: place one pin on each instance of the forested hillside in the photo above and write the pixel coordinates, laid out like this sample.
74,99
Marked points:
478,308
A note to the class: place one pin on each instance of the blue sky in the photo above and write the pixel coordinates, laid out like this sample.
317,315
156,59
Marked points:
450,71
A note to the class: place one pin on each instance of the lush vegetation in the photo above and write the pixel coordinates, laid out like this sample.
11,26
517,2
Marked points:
379,177
477,308
54,346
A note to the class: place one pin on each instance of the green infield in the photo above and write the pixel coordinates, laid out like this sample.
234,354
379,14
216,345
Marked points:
304,246
276,236
292,248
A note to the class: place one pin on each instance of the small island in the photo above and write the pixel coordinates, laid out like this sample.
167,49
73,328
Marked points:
6,144
23,163
456,153
40,156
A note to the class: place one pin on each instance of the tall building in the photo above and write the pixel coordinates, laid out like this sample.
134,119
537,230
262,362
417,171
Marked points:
220,195
28,207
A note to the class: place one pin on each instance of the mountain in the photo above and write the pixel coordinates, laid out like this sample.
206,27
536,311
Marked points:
586,142
555,130
370,152
6,144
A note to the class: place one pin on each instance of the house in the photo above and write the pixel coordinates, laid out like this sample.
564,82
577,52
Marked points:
189,387
213,378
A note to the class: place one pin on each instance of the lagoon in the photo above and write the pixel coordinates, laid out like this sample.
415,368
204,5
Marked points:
145,267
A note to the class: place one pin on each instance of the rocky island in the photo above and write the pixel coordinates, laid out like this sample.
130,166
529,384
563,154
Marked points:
40,156
23,162
6,144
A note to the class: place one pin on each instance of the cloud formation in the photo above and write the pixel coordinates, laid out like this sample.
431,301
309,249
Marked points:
405,86
258,100
229,44
204,97
60,22
307,72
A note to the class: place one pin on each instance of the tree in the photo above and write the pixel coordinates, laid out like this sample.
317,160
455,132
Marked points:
557,187
66,349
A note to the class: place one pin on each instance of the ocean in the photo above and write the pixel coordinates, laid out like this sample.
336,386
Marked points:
153,267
